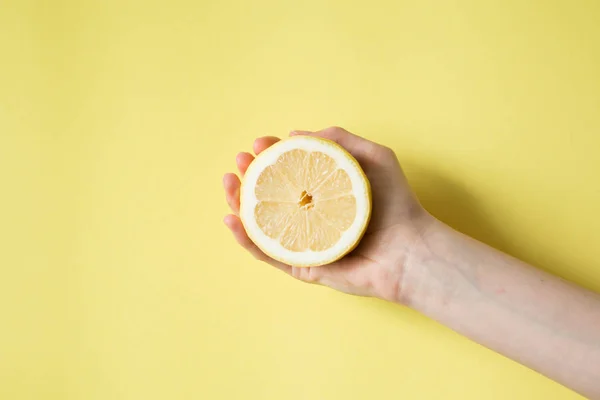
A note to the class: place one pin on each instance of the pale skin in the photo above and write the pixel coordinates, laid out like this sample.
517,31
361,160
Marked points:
409,257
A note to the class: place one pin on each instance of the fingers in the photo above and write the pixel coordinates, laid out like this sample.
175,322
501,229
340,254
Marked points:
243,160
239,233
231,184
263,143
359,147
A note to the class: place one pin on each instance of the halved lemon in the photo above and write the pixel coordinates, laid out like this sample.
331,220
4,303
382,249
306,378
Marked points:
305,201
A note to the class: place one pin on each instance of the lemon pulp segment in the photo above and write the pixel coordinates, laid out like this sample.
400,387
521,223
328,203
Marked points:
304,201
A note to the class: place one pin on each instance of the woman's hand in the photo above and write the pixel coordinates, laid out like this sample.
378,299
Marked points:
377,266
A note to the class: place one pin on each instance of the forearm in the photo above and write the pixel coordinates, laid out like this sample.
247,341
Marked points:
535,318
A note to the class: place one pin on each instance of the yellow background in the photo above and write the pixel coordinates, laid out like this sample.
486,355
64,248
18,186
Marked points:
118,118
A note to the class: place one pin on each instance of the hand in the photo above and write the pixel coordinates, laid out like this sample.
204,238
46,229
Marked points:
409,257
377,266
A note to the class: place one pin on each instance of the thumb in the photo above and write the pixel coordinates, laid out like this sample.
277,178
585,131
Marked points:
359,147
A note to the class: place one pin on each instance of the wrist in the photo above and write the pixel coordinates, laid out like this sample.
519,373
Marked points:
423,279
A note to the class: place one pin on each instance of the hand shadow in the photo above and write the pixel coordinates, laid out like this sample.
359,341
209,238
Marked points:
452,203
